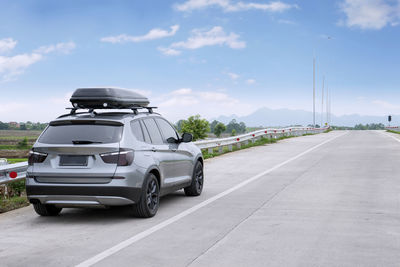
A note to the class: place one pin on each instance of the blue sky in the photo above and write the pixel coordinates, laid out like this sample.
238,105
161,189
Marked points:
208,57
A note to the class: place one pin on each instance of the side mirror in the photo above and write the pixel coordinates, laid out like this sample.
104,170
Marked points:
172,140
187,137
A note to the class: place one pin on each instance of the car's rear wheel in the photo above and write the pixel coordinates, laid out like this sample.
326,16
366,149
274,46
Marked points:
149,201
196,187
46,210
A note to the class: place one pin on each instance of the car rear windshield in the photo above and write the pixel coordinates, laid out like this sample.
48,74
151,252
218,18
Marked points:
81,133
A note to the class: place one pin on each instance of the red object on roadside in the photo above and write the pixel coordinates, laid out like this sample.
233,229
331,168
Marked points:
254,135
13,175
237,139
266,131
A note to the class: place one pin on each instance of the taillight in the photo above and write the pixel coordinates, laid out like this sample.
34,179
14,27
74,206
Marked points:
36,157
122,158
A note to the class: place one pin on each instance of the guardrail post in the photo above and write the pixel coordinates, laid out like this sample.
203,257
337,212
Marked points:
210,150
230,147
220,149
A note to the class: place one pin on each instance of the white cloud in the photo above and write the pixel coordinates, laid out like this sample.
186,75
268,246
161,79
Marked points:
65,48
286,21
151,35
184,102
182,91
250,81
12,66
233,76
169,51
7,44
386,105
200,38
229,6
370,14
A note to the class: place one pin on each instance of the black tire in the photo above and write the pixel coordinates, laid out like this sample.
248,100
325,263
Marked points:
196,187
150,199
46,210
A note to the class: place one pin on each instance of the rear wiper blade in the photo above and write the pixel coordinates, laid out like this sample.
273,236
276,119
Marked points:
84,142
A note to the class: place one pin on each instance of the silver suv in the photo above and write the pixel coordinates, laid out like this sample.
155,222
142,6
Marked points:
106,159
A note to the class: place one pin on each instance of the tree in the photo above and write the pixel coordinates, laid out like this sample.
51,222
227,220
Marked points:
4,126
233,132
23,143
238,127
197,126
219,129
178,126
213,124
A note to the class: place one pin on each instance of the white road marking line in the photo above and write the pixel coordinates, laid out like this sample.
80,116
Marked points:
384,133
107,253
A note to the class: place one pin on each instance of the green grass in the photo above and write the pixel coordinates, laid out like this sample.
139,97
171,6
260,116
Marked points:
18,137
14,147
13,203
391,131
17,160
259,142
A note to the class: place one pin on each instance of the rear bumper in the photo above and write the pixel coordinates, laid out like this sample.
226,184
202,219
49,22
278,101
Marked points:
83,195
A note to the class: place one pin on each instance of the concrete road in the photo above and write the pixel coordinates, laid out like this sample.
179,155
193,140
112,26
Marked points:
324,200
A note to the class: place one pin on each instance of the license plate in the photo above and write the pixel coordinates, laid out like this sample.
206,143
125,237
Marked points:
69,160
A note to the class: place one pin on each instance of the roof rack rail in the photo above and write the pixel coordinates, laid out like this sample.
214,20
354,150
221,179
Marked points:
135,109
91,110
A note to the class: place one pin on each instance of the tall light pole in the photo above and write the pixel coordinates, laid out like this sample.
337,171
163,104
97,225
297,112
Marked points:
327,104
328,38
322,102
314,91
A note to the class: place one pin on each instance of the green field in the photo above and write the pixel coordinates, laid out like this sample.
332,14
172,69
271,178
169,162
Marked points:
18,134
13,203
13,147
18,138
17,160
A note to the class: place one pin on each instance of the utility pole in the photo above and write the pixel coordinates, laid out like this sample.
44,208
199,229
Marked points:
314,91
327,104
322,102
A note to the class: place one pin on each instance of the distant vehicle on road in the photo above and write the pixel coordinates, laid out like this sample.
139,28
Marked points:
111,158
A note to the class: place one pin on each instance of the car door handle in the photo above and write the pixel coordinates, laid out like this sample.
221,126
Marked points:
153,149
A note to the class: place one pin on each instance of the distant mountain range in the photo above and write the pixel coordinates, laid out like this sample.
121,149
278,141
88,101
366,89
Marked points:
284,117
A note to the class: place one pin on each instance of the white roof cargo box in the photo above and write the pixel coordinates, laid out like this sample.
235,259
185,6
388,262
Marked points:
107,98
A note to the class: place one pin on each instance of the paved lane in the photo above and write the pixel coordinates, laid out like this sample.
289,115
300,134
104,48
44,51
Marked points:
335,205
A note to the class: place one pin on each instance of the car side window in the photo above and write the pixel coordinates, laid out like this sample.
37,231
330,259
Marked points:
137,130
153,130
166,129
146,133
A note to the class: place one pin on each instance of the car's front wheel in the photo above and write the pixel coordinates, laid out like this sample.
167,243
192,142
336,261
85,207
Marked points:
46,210
196,187
149,201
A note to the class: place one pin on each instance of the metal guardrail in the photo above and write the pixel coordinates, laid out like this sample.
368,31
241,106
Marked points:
14,172
220,143
392,127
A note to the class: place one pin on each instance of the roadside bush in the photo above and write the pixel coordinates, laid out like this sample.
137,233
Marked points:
219,129
197,126
15,189
23,143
